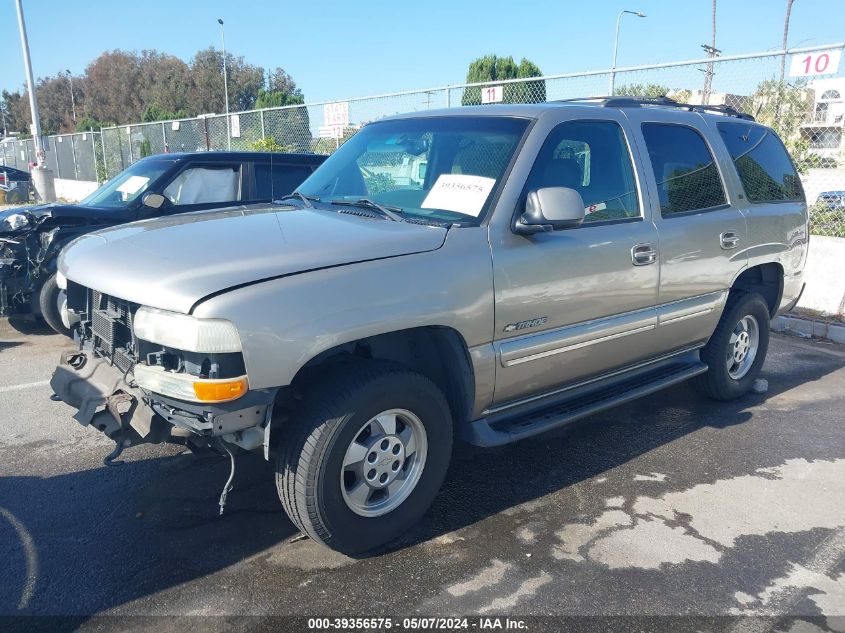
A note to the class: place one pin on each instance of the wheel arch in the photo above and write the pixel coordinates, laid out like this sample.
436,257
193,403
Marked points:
764,279
438,352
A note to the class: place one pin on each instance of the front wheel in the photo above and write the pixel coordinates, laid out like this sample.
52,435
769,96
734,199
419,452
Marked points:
737,349
364,458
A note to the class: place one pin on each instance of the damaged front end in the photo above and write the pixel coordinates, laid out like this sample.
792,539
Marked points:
124,386
27,250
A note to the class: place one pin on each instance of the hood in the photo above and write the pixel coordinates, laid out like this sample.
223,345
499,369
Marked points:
172,263
59,211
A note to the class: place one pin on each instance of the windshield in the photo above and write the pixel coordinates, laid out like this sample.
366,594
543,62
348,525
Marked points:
128,185
442,168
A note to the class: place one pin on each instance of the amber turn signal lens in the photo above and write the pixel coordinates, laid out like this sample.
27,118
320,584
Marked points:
220,391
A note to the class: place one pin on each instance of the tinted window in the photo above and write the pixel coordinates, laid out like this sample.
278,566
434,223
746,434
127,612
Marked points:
764,167
286,178
686,175
263,183
592,158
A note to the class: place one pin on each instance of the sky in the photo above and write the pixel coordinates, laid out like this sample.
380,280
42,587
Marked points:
336,50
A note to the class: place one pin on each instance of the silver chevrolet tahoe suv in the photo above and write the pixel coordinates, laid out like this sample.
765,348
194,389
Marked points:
485,273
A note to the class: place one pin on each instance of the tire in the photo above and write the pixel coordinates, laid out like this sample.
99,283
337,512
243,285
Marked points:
722,382
48,301
319,493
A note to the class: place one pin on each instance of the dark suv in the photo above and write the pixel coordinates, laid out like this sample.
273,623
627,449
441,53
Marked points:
31,237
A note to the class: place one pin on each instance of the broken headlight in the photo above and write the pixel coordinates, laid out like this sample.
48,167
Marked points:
15,221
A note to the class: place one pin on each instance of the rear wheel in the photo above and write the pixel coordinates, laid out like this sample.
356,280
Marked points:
737,349
51,300
364,458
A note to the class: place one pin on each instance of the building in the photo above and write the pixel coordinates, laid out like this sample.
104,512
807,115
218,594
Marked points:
738,102
825,123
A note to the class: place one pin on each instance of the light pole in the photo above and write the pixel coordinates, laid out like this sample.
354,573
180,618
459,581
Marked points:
225,85
72,102
616,45
42,178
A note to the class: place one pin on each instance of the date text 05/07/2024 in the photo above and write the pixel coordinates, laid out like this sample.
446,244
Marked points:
417,624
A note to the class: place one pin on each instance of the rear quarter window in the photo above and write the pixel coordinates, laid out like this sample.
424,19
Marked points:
762,162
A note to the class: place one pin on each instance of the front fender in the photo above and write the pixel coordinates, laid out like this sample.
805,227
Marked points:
284,323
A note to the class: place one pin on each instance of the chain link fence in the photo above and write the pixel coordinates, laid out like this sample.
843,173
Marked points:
76,156
807,111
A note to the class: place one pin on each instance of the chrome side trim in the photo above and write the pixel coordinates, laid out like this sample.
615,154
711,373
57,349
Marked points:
684,317
560,350
523,349
684,309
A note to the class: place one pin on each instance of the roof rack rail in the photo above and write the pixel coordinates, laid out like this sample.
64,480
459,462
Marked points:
625,101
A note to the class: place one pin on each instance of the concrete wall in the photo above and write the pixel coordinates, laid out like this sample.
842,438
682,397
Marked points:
74,190
825,276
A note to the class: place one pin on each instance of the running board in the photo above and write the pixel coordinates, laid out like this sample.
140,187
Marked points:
499,429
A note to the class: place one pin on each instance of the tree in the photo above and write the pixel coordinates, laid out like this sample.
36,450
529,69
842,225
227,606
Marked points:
494,68
123,87
279,81
642,90
244,81
155,112
276,99
165,82
16,108
111,85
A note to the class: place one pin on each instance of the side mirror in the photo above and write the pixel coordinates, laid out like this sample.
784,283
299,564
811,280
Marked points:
152,200
550,209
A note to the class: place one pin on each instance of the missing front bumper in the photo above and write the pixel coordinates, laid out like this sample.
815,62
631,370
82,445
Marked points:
105,400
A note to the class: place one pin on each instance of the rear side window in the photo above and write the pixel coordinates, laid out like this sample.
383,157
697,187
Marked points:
686,174
764,167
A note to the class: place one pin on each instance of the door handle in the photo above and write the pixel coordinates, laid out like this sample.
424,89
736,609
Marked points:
643,254
728,240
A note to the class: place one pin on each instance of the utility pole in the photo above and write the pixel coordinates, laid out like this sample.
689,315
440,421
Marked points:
42,178
225,86
712,52
72,102
785,36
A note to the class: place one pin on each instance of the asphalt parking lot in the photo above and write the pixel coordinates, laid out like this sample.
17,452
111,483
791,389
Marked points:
674,505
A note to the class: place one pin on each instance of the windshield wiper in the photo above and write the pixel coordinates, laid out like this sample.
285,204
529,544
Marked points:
306,200
391,213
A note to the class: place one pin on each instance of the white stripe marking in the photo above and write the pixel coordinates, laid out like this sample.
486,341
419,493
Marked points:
24,385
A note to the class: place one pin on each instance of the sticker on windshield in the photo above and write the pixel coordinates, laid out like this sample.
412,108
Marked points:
133,184
601,206
460,193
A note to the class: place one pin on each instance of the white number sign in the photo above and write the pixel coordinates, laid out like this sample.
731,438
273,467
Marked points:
818,63
492,94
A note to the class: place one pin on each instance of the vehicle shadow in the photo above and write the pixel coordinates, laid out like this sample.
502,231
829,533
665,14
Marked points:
91,540
30,326
102,537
